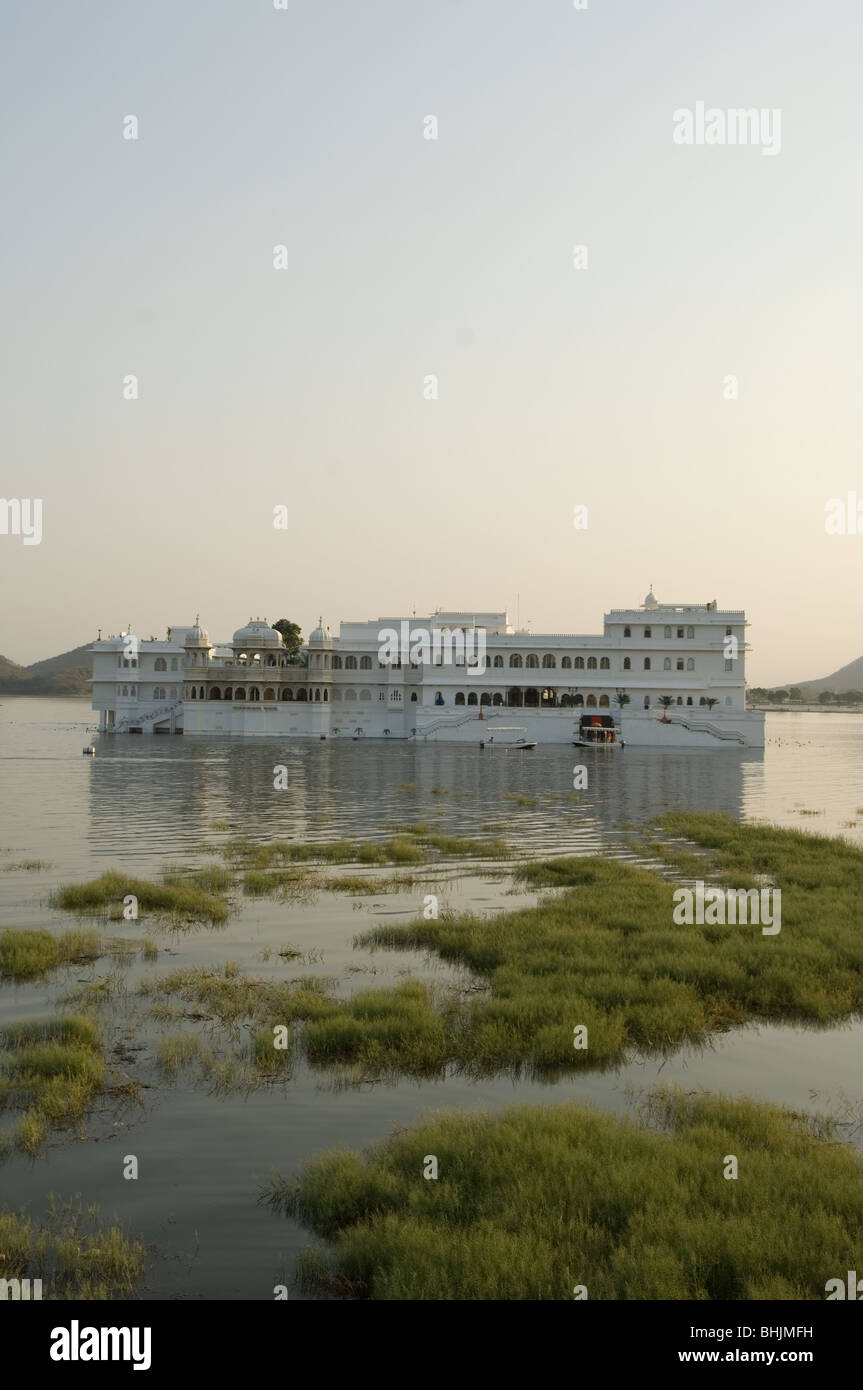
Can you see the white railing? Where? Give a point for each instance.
(131, 720)
(703, 726)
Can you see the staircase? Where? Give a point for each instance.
(138, 720)
(703, 726)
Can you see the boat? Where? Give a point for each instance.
(596, 729)
(523, 744)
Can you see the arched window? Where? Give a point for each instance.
(365, 663)
(690, 664)
(591, 663)
(485, 699)
(680, 699)
(532, 661)
(438, 697)
(515, 659)
(413, 697)
(627, 632)
(603, 702)
(667, 632)
(471, 699)
(497, 698)
(591, 702)
(269, 693)
(702, 701)
(350, 663)
(648, 632)
(690, 632)
(194, 692)
(215, 693)
(337, 663)
(566, 663)
(318, 695)
(287, 693)
(666, 664)
(302, 694)
(531, 697)
(459, 697)
(239, 693)
(680, 663)
(201, 693)
(579, 663)
(498, 661)
(689, 699)
(605, 664)
(578, 700)
(326, 695)
(548, 662)
(627, 664)
(647, 663)
(161, 664)
(395, 697)
(365, 694)
(254, 693)
(647, 702)
(271, 660)
(350, 695)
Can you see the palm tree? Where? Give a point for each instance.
(711, 701)
(666, 701)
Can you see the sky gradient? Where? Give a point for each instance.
(304, 387)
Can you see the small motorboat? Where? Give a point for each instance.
(525, 743)
(89, 751)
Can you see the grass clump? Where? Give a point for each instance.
(607, 953)
(24, 954)
(70, 1251)
(51, 1071)
(181, 900)
(532, 1202)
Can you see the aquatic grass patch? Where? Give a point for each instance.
(51, 1071)
(71, 1251)
(538, 1201)
(606, 954)
(382, 1029)
(30, 952)
(411, 846)
(29, 866)
(179, 901)
(210, 878)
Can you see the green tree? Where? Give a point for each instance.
(711, 701)
(826, 697)
(666, 701)
(291, 635)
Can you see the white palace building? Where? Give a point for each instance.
(663, 674)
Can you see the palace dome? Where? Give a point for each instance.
(319, 635)
(257, 633)
(197, 636)
(650, 601)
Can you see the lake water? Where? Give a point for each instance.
(145, 803)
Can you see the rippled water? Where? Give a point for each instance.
(143, 803)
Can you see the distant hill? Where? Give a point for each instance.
(848, 677)
(67, 674)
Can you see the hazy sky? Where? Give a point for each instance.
(408, 257)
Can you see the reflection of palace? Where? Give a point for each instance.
(670, 675)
